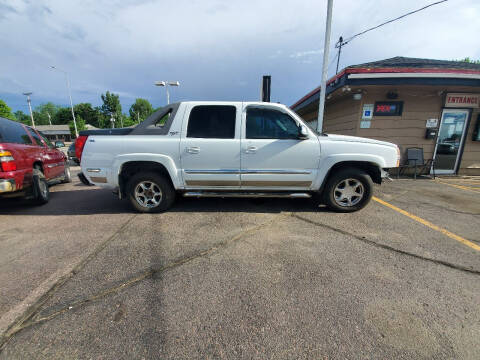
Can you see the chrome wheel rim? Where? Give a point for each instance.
(148, 194)
(348, 192)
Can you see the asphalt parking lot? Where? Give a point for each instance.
(84, 277)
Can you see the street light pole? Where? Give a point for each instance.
(70, 96)
(27, 94)
(326, 48)
(166, 84)
(112, 120)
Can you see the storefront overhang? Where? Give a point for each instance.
(393, 76)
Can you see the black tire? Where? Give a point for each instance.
(67, 176)
(41, 193)
(152, 202)
(358, 190)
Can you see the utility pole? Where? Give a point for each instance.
(70, 95)
(27, 94)
(323, 86)
(339, 45)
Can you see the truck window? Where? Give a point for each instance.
(163, 120)
(13, 132)
(212, 121)
(270, 124)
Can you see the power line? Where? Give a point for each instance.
(342, 42)
(390, 21)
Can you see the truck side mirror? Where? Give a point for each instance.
(302, 132)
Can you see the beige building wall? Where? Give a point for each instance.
(343, 116)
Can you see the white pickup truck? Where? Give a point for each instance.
(232, 149)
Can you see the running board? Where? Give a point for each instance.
(223, 194)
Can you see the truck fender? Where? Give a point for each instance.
(166, 161)
(327, 163)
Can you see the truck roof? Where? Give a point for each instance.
(206, 102)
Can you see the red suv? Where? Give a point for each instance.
(29, 162)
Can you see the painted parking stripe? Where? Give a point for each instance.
(429, 224)
(467, 188)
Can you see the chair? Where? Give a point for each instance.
(416, 160)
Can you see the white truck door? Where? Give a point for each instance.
(272, 154)
(210, 146)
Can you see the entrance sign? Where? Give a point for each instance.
(462, 100)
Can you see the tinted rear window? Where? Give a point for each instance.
(212, 121)
(13, 132)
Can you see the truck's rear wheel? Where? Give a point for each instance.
(348, 190)
(150, 192)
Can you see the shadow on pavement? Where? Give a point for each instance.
(91, 201)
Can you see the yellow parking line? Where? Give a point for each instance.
(467, 188)
(429, 224)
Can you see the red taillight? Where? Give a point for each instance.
(79, 144)
(7, 162)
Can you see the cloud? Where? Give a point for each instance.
(301, 54)
(216, 49)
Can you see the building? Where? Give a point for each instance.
(59, 132)
(431, 104)
(55, 132)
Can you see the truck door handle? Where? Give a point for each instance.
(193, 150)
(251, 150)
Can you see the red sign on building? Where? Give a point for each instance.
(462, 100)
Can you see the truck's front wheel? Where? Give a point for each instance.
(348, 190)
(150, 192)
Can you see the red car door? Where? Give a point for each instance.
(43, 153)
(57, 157)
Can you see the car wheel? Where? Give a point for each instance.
(150, 192)
(67, 176)
(40, 188)
(348, 190)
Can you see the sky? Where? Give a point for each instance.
(217, 50)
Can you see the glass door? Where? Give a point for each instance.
(450, 138)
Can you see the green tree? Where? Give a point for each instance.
(63, 116)
(5, 111)
(471, 61)
(91, 115)
(20, 116)
(44, 111)
(140, 110)
(80, 125)
(111, 107)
